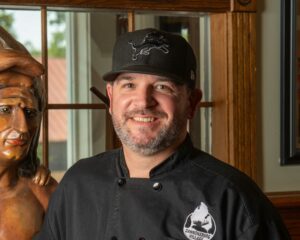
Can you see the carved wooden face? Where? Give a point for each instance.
(19, 117)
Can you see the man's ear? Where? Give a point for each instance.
(109, 90)
(195, 98)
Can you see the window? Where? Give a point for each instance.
(78, 52)
(230, 46)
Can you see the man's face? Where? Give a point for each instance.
(149, 112)
(19, 117)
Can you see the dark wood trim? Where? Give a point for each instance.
(206, 104)
(288, 205)
(285, 199)
(243, 5)
(45, 123)
(163, 5)
(66, 106)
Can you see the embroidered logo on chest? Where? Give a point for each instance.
(200, 225)
(153, 40)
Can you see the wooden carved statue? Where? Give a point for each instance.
(25, 187)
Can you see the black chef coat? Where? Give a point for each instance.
(189, 196)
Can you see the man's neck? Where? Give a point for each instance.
(140, 165)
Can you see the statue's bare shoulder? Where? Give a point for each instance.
(23, 208)
(42, 193)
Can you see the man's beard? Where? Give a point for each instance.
(166, 136)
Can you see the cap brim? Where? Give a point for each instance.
(111, 76)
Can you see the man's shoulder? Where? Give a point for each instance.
(217, 168)
(103, 158)
(225, 176)
(237, 196)
(226, 181)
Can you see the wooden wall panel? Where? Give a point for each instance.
(234, 89)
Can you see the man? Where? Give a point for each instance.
(23, 196)
(158, 186)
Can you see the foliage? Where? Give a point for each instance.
(6, 21)
(57, 45)
(33, 51)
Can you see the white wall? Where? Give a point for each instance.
(274, 176)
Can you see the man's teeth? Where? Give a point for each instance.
(141, 119)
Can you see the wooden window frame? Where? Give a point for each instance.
(234, 78)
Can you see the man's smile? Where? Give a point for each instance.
(144, 119)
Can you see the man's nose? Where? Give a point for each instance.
(145, 97)
(18, 120)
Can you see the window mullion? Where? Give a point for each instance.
(131, 21)
(45, 124)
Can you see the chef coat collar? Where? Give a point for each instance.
(169, 164)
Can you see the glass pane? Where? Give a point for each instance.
(40, 147)
(73, 135)
(80, 49)
(196, 30)
(25, 26)
(205, 130)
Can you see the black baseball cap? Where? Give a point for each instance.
(156, 52)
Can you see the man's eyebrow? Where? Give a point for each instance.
(164, 79)
(125, 77)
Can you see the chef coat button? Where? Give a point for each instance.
(157, 186)
(114, 238)
(121, 181)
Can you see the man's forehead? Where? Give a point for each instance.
(137, 76)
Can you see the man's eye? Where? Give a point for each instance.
(5, 109)
(30, 113)
(128, 85)
(162, 87)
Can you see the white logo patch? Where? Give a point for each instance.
(153, 40)
(200, 225)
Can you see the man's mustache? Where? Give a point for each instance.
(153, 113)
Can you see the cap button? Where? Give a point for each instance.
(157, 186)
(121, 181)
